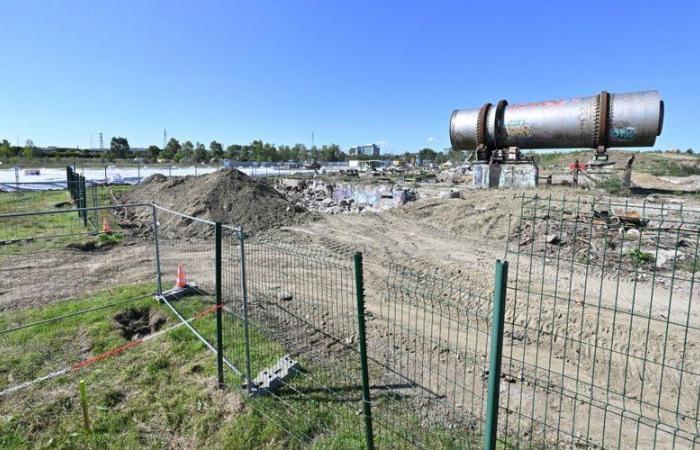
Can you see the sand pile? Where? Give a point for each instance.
(228, 196)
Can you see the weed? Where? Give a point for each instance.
(112, 398)
(675, 169)
(639, 257)
(612, 185)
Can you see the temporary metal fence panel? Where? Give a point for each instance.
(429, 346)
(602, 322)
(92, 277)
(52, 245)
(187, 244)
(283, 301)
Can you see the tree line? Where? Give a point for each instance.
(256, 151)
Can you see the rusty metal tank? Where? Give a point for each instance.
(606, 120)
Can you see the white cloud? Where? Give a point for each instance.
(431, 139)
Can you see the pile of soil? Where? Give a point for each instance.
(228, 196)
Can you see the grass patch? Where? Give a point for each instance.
(669, 168)
(11, 202)
(612, 185)
(640, 258)
(163, 393)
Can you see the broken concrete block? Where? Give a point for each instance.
(274, 377)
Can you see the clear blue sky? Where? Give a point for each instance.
(352, 72)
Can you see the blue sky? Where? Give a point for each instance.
(351, 72)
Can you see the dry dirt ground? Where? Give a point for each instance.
(585, 344)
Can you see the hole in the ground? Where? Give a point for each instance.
(135, 322)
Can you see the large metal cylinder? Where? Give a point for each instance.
(604, 120)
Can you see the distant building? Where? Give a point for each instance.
(365, 150)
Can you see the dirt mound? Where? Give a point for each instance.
(481, 214)
(228, 196)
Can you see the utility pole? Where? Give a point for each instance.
(102, 147)
(313, 145)
(165, 138)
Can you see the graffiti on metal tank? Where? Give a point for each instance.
(517, 128)
(624, 133)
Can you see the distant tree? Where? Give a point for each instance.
(427, 154)
(173, 146)
(440, 158)
(217, 150)
(246, 153)
(233, 152)
(300, 152)
(120, 147)
(153, 152)
(689, 151)
(284, 153)
(171, 149)
(29, 150)
(331, 153)
(5, 150)
(177, 157)
(187, 150)
(200, 153)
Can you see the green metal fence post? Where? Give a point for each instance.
(156, 241)
(83, 198)
(244, 292)
(499, 310)
(367, 406)
(219, 308)
(95, 203)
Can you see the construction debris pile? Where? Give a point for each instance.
(459, 174)
(619, 237)
(228, 196)
(337, 198)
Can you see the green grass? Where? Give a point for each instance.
(55, 230)
(612, 185)
(639, 257)
(11, 202)
(665, 167)
(156, 395)
(104, 197)
(163, 393)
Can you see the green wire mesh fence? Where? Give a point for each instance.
(290, 327)
(429, 341)
(598, 347)
(602, 325)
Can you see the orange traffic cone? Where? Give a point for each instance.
(105, 226)
(181, 278)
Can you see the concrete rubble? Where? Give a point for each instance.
(459, 174)
(336, 198)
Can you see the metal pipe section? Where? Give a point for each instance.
(604, 120)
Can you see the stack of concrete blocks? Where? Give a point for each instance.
(519, 175)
